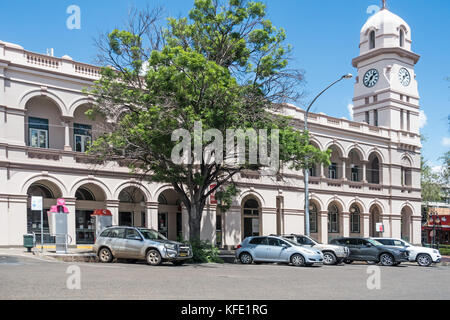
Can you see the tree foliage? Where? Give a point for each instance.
(224, 66)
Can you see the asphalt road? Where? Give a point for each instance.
(32, 278)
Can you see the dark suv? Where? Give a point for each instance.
(366, 249)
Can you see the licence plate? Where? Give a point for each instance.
(183, 254)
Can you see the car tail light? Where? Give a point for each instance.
(238, 246)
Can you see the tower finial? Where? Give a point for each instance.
(384, 4)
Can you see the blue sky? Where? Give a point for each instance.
(324, 34)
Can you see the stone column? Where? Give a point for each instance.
(365, 224)
(66, 123)
(364, 171)
(321, 171)
(386, 219)
(323, 226)
(344, 168)
(151, 215)
(71, 221)
(416, 231)
(345, 226)
(113, 206)
(396, 223)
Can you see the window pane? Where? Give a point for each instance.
(34, 138)
(43, 139)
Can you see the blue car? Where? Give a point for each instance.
(276, 249)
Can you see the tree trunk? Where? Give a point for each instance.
(195, 219)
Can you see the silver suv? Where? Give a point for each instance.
(276, 249)
(139, 244)
(331, 254)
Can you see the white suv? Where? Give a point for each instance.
(423, 256)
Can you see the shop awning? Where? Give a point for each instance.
(102, 212)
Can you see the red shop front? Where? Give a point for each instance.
(440, 225)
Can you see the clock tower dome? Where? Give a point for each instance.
(386, 92)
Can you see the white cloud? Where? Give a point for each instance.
(350, 110)
(446, 141)
(422, 119)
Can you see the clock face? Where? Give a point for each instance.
(371, 78)
(404, 77)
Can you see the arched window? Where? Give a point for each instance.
(402, 38)
(38, 190)
(406, 172)
(333, 219)
(84, 194)
(375, 168)
(372, 40)
(355, 219)
(162, 199)
(312, 217)
(251, 207)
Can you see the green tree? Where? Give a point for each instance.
(224, 66)
(430, 182)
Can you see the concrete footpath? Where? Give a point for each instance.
(86, 255)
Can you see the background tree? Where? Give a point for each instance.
(226, 66)
(430, 183)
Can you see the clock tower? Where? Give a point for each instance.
(386, 92)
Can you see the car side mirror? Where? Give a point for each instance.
(285, 246)
(369, 245)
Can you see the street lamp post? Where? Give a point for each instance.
(306, 170)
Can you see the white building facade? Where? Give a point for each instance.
(374, 176)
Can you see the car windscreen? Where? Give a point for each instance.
(374, 242)
(152, 234)
(290, 242)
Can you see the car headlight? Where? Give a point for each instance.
(435, 251)
(170, 246)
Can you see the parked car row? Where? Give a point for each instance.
(300, 250)
(145, 244)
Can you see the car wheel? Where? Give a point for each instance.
(347, 261)
(245, 258)
(329, 258)
(397, 263)
(298, 260)
(387, 259)
(178, 263)
(105, 255)
(154, 257)
(424, 260)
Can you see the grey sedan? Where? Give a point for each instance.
(139, 244)
(276, 249)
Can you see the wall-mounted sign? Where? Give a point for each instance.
(36, 203)
(379, 227)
